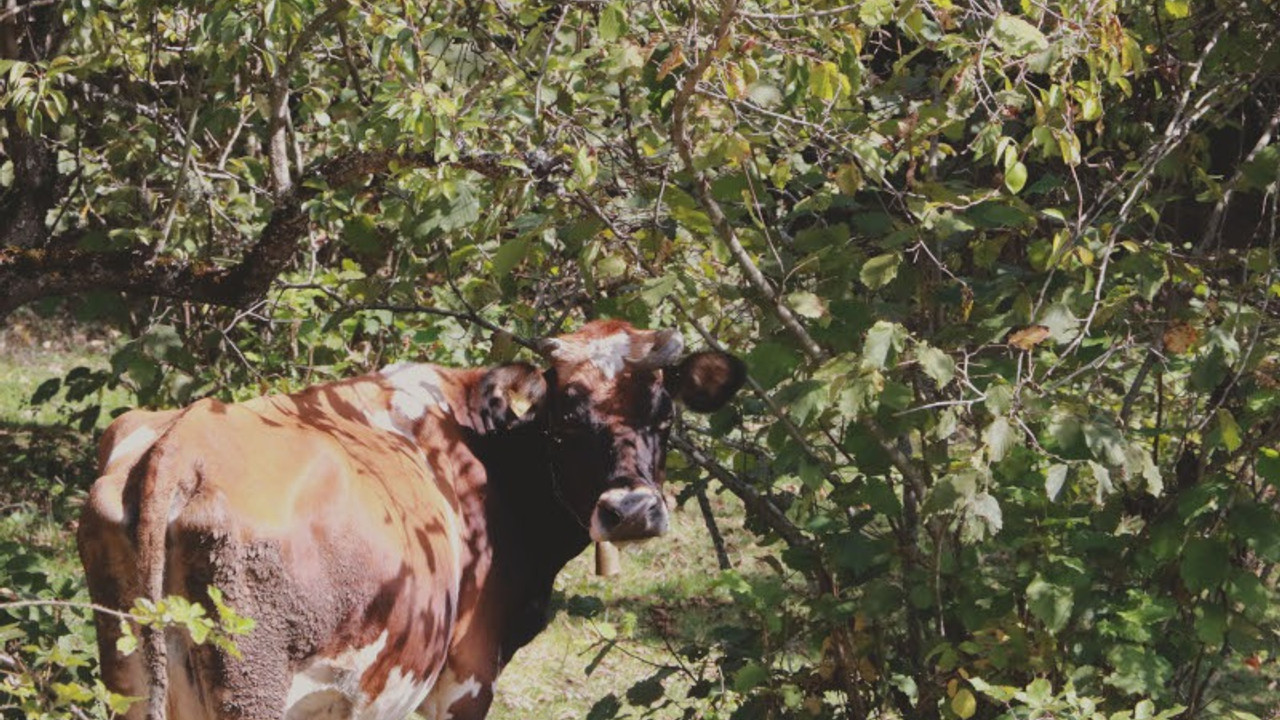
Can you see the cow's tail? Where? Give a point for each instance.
(161, 490)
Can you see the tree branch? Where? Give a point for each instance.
(702, 189)
(57, 267)
(757, 504)
(33, 192)
(278, 124)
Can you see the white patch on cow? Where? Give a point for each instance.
(401, 695)
(337, 676)
(330, 688)
(136, 441)
(418, 388)
(447, 692)
(609, 354)
(454, 533)
(384, 420)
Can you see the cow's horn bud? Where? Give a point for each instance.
(665, 351)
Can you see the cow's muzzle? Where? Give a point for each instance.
(626, 514)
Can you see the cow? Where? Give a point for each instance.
(395, 536)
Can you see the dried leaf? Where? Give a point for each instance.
(1180, 338)
(674, 60)
(1029, 336)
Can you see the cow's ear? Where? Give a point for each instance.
(506, 397)
(705, 381)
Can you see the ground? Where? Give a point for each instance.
(607, 634)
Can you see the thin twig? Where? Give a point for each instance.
(800, 15)
(468, 316)
(708, 517)
(68, 604)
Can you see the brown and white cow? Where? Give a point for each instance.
(395, 536)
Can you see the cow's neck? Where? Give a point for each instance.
(532, 531)
(514, 506)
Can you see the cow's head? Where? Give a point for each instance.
(606, 405)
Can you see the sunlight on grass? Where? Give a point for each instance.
(31, 354)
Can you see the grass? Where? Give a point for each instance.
(664, 598)
(606, 634)
(33, 350)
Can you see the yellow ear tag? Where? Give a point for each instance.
(518, 402)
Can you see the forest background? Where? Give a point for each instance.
(1004, 274)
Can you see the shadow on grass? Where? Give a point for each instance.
(42, 462)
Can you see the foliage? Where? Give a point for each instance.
(1005, 276)
(47, 677)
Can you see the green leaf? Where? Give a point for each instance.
(360, 233)
(824, 80)
(1211, 624)
(127, 643)
(807, 304)
(880, 270)
(1268, 466)
(986, 509)
(882, 339)
(1106, 442)
(771, 362)
(1050, 604)
(999, 398)
(749, 676)
(875, 13)
(1258, 525)
(1102, 477)
(1228, 431)
(613, 22)
(964, 704)
(120, 704)
(71, 693)
(1054, 478)
(936, 364)
(511, 254)
(1177, 9)
(999, 438)
(1139, 670)
(1015, 177)
(999, 693)
(1204, 564)
(1017, 36)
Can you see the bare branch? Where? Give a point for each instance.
(278, 125)
(801, 15)
(58, 268)
(702, 188)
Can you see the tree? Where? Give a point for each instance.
(1005, 278)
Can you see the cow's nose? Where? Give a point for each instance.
(623, 514)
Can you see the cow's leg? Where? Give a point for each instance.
(110, 565)
(463, 692)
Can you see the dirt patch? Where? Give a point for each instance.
(26, 335)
